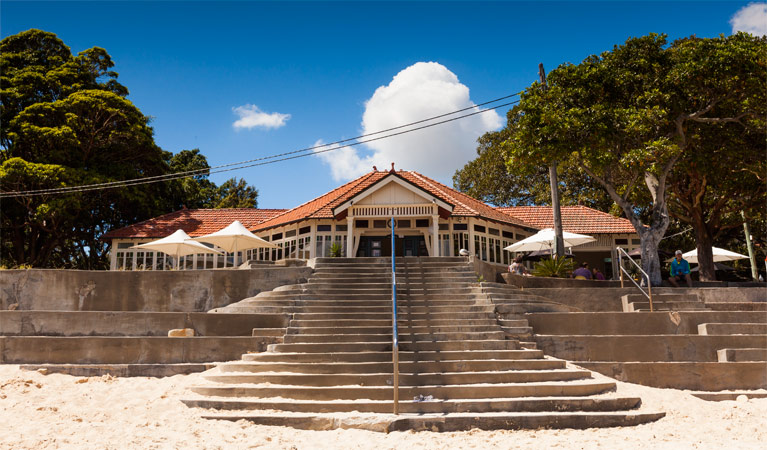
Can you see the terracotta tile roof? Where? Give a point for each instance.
(575, 219)
(322, 206)
(195, 222)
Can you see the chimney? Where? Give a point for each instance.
(392, 168)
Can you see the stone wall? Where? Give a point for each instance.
(177, 291)
(609, 298)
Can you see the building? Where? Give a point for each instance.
(431, 219)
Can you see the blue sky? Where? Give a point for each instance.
(299, 73)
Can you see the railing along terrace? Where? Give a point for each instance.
(623, 271)
(393, 210)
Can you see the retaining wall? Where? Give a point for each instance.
(609, 299)
(185, 291)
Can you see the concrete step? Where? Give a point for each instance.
(377, 303)
(561, 404)
(467, 391)
(127, 350)
(737, 306)
(403, 309)
(403, 328)
(341, 324)
(402, 315)
(404, 337)
(741, 354)
(694, 376)
(158, 370)
(669, 348)
(400, 260)
(724, 396)
(668, 306)
(469, 365)
(513, 354)
(450, 422)
(513, 322)
(385, 296)
(387, 346)
(405, 379)
(732, 328)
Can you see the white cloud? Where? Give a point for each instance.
(751, 19)
(423, 90)
(251, 117)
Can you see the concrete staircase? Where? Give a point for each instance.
(663, 302)
(458, 369)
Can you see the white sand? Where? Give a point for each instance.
(60, 411)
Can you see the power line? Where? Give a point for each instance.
(266, 159)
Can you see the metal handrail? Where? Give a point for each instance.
(395, 336)
(647, 294)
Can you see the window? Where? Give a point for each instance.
(277, 236)
(324, 228)
(380, 224)
(621, 242)
(342, 228)
(303, 247)
(476, 246)
(636, 241)
(492, 253)
(460, 240)
(341, 240)
(304, 230)
(422, 223)
(290, 233)
(505, 253)
(483, 239)
(443, 227)
(361, 223)
(508, 235)
(479, 228)
(403, 224)
(444, 244)
(494, 232)
(460, 227)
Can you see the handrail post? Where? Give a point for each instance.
(620, 266)
(395, 337)
(649, 292)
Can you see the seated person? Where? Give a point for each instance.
(680, 270)
(517, 268)
(582, 271)
(597, 275)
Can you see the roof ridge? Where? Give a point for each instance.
(429, 180)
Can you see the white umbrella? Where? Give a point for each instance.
(544, 240)
(235, 237)
(177, 244)
(720, 255)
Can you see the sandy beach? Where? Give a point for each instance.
(61, 411)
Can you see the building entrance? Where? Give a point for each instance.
(380, 246)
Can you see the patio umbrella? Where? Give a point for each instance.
(177, 244)
(544, 240)
(233, 238)
(720, 255)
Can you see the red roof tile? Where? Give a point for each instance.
(322, 206)
(575, 219)
(195, 222)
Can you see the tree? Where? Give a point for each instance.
(66, 122)
(491, 180)
(624, 118)
(236, 193)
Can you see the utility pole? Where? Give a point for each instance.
(750, 245)
(559, 242)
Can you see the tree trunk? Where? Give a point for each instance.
(704, 242)
(650, 240)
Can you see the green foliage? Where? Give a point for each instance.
(627, 117)
(66, 122)
(554, 267)
(235, 193)
(335, 250)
